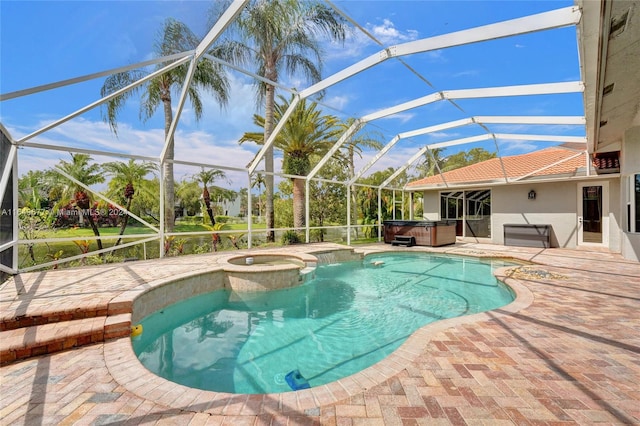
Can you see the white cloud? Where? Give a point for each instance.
(467, 73)
(338, 102)
(357, 42)
(403, 117)
(387, 33)
(512, 147)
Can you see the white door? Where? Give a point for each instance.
(593, 214)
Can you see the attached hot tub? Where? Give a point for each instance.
(262, 272)
(425, 233)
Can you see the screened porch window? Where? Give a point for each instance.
(472, 210)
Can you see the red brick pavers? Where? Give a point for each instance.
(569, 355)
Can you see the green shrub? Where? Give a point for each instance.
(290, 237)
(222, 219)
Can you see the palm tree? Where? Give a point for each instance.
(127, 175)
(31, 191)
(433, 162)
(282, 37)
(89, 174)
(176, 37)
(306, 133)
(354, 146)
(205, 177)
(259, 181)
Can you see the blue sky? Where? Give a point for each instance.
(47, 41)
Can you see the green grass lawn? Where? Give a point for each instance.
(47, 252)
(135, 230)
(180, 244)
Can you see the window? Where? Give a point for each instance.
(6, 205)
(451, 205)
(633, 204)
(471, 207)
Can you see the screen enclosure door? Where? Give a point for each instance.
(593, 213)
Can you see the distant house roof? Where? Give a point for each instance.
(544, 163)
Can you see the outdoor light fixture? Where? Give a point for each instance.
(532, 195)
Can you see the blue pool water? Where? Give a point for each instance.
(349, 317)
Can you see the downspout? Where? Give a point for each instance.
(348, 214)
(379, 213)
(249, 211)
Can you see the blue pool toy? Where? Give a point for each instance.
(296, 381)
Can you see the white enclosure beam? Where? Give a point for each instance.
(75, 80)
(412, 133)
(101, 101)
(525, 119)
(274, 134)
(88, 151)
(551, 120)
(354, 128)
(102, 197)
(437, 128)
(520, 90)
(221, 24)
(530, 89)
(404, 167)
(80, 256)
(176, 117)
(433, 158)
(544, 138)
(7, 270)
(424, 100)
(462, 141)
(15, 221)
(207, 165)
(6, 172)
(543, 21)
(375, 158)
(250, 74)
(345, 73)
(547, 167)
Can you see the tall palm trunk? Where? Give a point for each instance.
(96, 232)
(84, 204)
(298, 203)
(125, 221)
(167, 168)
(268, 159)
(207, 203)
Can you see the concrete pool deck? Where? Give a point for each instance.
(566, 352)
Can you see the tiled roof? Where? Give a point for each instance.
(515, 166)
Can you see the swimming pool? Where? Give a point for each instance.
(347, 318)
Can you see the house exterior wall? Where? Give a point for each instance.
(629, 166)
(431, 205)
(556, 204)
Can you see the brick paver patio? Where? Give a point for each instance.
(566, 352)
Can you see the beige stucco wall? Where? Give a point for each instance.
(556, 204)
(431, 205)
(629, 166)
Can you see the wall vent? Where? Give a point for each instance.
(618, 24)
(606, 162)
(608, 89)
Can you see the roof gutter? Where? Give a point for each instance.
(593, 41)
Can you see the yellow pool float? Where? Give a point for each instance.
(136, 330)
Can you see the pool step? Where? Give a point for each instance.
(406, 240)
(24, 342)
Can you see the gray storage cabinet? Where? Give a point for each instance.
(526, 235)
